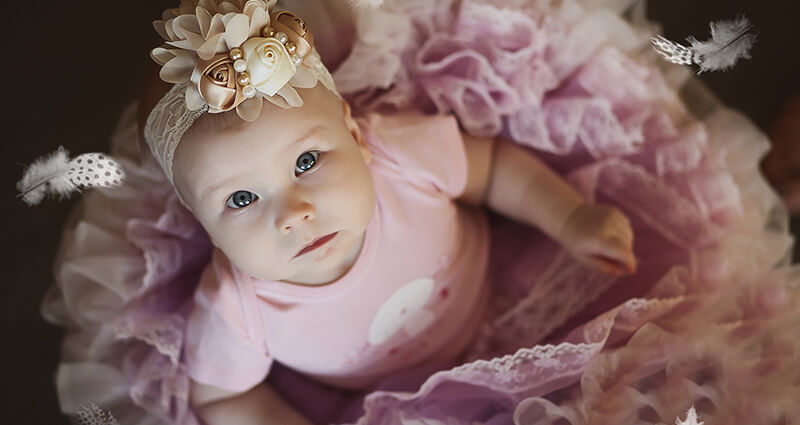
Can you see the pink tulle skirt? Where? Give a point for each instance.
(709, 320)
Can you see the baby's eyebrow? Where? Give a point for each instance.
(310, 133)
(205, 193)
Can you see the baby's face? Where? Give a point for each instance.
(266, 190)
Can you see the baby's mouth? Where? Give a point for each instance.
(316, 243)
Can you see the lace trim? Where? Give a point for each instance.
(167, 123)
(516, 368)
(564, 288)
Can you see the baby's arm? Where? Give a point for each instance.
(261, 405)
(513, 182)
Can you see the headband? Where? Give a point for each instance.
(232, 54)
(224, 55)
(220, 55)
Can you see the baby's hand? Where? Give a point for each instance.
(600, 237)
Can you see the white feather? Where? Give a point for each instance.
(91, 414)
(47, 175)
(672, 51)
(58, 176)
(730, 41)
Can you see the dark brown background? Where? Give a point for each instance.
(71, 66)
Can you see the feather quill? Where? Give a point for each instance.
(730, 41)
(58, 176)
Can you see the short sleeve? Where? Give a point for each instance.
(427, 150)
(225, 344)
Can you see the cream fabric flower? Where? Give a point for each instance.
(203, 56)
(199, 32)
(268, 64)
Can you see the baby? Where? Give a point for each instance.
(347, 249)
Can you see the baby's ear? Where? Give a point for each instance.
(355, 131)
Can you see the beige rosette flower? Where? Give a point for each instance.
(235, 55)
(268, 64)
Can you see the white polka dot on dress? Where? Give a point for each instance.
(405, 309)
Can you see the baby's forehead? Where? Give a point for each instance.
(275, 131)
(264, 140)
(220, 124)
(319, 104)
(229, 157)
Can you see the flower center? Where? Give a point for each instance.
(220, 74)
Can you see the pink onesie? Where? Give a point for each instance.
(416, 293)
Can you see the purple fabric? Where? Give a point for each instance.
(560, 343)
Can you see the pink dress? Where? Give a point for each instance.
(402, 303)
(709, 320)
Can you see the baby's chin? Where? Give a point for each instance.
(327, 263)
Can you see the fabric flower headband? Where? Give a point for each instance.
(221, 55)
(235, 53)
(224, 55)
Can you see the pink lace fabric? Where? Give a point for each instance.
(581, 87)
(710, 319)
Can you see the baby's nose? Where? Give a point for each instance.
(294, 216)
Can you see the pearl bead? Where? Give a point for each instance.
(249, 91)
(240, 65)
(282, 37)
(244, 79)
(297, 59)
(267, 32)
(291, 47)
(235, 54)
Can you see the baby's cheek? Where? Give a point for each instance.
(357, 200)
(259, 263)
(252, 251)
(337, 175)
(368, 194)
(363, 187)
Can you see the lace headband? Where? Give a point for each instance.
(233, 54)
(224, 55)
(221, 55)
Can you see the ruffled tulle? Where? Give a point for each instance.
(710, 318)
(580, 87)
(128, 264)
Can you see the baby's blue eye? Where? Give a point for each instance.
(305, 162)
(241, 199)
